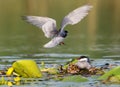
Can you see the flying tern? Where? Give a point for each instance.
(48, 25)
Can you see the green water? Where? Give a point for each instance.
(97, 35)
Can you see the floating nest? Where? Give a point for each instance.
(75, 70)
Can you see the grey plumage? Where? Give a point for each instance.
(48, 25)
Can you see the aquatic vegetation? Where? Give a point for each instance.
(50, 70)
(27, 68)
(112, 76)
(70, 72)
(9, 71)
(3, 81)
(20, 68)
(75, 78)
(72, 68)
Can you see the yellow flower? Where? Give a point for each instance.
(16, 79)
(10, 71)
(10, 84)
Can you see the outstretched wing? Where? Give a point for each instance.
(75, 16)
(48, 25)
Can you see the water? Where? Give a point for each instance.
(58, 59)
(97, 36)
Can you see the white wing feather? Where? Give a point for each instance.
(48, 25)
(54, 42)
(75, 16)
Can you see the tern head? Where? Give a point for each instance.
(64, 33)
(83, 62)
(84, 59)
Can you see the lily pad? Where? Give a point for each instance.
(114, 79)
(75, 78)
(113, 72)
(27, 68)
(49, 70)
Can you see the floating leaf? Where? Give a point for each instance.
(114, 79)
(115, 71)
(27, 68)
(50, 70)
(75, 78)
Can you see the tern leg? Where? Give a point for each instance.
(61, 43)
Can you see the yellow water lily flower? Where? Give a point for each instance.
(16, 79)
(10, 71)
(10, 84)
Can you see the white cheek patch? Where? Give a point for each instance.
(83, 60)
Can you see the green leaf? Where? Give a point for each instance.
(71, 62)
(75, 78)
(115, 79)
(27, 68)
(115, 71)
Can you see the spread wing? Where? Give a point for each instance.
(48, 25)
(75, 16)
